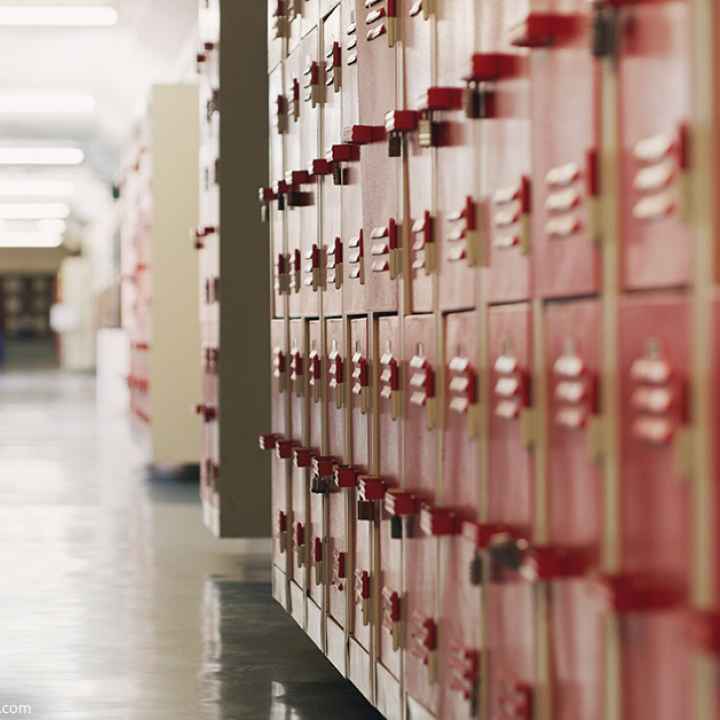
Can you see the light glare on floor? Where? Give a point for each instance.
(36, 188)
(30, 240)
(57, 16)
(21, 103)
(34, 211)
(41, 156)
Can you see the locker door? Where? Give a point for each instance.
(279, 431)
(349, 174)
(654, 508)
(654, 66)
(509, 608)
(316, 379)
(460, 612)
(501, 69)
(416, 508)
(303, 199)
(332, 241)
(458, 215)
(299, 391)
(574, 481)
(372, 490)
(337, 561)
(361, 567)
(270, 208)
(278, 31)
(563, 90)
(295, 110)
(382, 234)
(418, 31)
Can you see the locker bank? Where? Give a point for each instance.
(384, 362)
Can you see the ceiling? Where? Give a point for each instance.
(116, 65)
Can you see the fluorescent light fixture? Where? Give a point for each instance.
(30, 239)
(36, 188)
(51, 226)
(55, 103)
(34, 211)
(41, 156)
(57, 15)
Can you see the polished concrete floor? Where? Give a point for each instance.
(115, 602)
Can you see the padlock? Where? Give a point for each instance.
(282, 531)
(477, 570)
(426, 132)
(365, 510)
(319, 562)
(396, 528)
(395, 142)
(300, 544)
(365, 597)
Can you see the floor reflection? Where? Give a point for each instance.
(116, 603)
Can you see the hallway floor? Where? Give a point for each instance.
(115, 602)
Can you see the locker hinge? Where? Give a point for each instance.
(683, 452)
(596, 438)
(528, 427)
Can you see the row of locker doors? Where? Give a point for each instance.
(415, 187)
(390, 535)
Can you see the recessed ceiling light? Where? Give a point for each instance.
(41, 156)
(58, 15)
(36, 188)
(24, 239)
(34, 211)
(22, 103)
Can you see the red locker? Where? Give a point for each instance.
(349, 173)
(372, 490)
(302, 18)
(509, 610)
(270, 207)
(360, 417)
(564, 141)
(332, 271)
(501, 71)
(415, 513)
(419, 220)
(278, 31)
(651, 588)
(290, 116)
(306, 91)
(299, 389)
(460, 215)
(279, 431)
(336, 562)
(377, 28)
(654, 66)
(316, 523)
(460, 609)
(575, 500)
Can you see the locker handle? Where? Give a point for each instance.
(284, 449)
(364, 134)
(438, 522)
(345, 476)
(550, 562)
(371, 488)
(268, 441)
(545, 29)
(486, 67)
(400, 503)
(442, 98)
(639, 592)
(302, 457)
